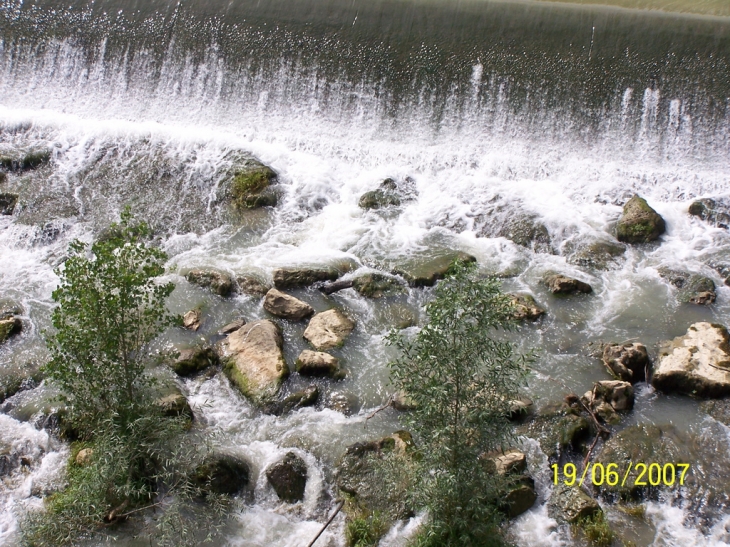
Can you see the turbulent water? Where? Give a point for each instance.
(556, 113)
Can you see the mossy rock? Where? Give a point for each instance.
(375, 285)
(559, 429)
(219, 282)
(378, 199)
(29, 160)
(711, 211)
(193, 360)
(8, 203)
(639, 222)
(598, 254)
(223, 474)
(299, 399)
(9, 327)
(424, 271)
(571, 504)
(288, 478)
(251, 188)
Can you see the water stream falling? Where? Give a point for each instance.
(491, 109)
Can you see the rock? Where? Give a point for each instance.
(9, 326)
(526, 307)
(342, 402)
(599, 254)
(723, 268)
(335, 286)
(390, 194)
(403, 402)
(570, 504)
(286, 306)
(642, 443)
(425, 271)
(357, 475)
(523, 228)
(219, 282)
(712, 211)
(618, 394)
(300, 399)
(8, 203)
(697, 363)
(3, 177)
(83, 458)
(558, 428)
(288, 278)
(375, 285)
(175, 404)
(719, 409)
(250, 285)
(329, 329)
(193, 360)
(511, 461)
(639, 222)
(254, 359)
(520, 408)
(250, 187)
(191, 320)
(25, 161)
(233, 326)
(628, 362)
(317, 363)
(289, 478)
(560, 284)
(520, 498)
(223, 474)
(693, 288)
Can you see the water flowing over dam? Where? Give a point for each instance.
(515, 131)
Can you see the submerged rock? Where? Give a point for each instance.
(8, 203)
(390, 193)
(697, 363)
(523, 228)
(628, 362)
(559, 429)
(711, 211)
(600, 254)
(250, 186)
(300, 399)
(639, 223)
(288, 478)
(375, 285)
(718, 409)
(561, 284)
(693, 288)
(233, 326)
(247, 284)
(609, 397)
(25, 161)
(425, 271)
(328, 330)
(526, 308)
(175, 404)
(193, 360)
(286, 306)
(288, 278)
(219, 282)
(571, 504)
(223, 474)
(343, 402)
(255, 360)
(317, 363)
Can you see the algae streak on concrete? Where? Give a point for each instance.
(717, 8)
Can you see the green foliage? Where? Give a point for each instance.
(597, 530)
(109, 308)
(461, 376)
(248, 186)
(366, 531)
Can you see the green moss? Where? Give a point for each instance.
(239, 379)
(596, 530)
(248, 188)
(366, 530)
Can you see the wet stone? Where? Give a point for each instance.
(526, 308)
(8, 203)
(639, 223)
(194, 360)
(286, 306)
(192, 320)
(289, 478)
(223, 474)
(288, 278)
(219, 282)
(317, 363)
(628, 362)
(300, 399)
(251, 285)
(561, 284)
(329, 329)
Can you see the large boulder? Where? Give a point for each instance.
(571, 504)
(288, 278)
(693, 288)
(222, 474)
(697, 363)
(561, 284)
(559, 429)
(639, 223)
(175, 404)
(628, 361)
(250, 186)
(317, 363)
(8, 203)
(251, 285)
(521, 226)
(424, 271)
(193, 360)
(375, 285)
(219, 282)
(526, 308)
(255, 360)
(288, 478)
(286, 306)
(712, 211)
(328, 330)
(520, 497)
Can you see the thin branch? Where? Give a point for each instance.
(342, 503)
(390, 402)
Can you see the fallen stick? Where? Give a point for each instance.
(327, 523)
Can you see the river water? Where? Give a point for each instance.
(556, 112)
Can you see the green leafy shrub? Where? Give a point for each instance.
(597, 530)
(461, 376)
